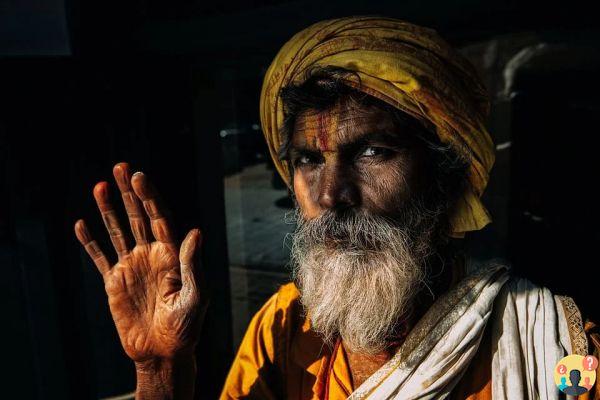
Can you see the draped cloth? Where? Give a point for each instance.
(407, 66)
(491, 336)
(529, 331)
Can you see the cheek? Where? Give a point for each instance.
(302, 190)
(388, 185)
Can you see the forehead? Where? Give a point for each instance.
(344, 121)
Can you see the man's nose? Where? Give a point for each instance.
(338, 189)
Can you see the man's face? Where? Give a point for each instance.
(355, 157)
(363, 234)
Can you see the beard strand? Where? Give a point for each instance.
(358, 273)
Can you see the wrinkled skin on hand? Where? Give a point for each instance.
(155, 290)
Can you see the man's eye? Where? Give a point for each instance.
(372, 151)
(305, 159)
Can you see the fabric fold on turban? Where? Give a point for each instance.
(409, 67)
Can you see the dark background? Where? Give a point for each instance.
(86, 84)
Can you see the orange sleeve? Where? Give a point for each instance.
(253, 373)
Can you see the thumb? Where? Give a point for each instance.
(189, 247)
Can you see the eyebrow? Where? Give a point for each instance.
(393, 140)
(378, 137)
(297, 151)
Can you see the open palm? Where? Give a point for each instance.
(154, 289)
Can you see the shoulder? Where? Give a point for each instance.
(276, 320)
(270, 324)
(257, 368)
(530, 304)
(287, 295)
(282, 306)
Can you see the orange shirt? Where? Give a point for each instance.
(280, 357)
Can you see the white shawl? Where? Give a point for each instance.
(529, 338)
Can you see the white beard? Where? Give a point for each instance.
(358, 276)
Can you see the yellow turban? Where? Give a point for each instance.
(407, 66)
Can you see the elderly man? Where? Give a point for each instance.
(377, 126)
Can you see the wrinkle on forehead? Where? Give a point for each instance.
(324, 129)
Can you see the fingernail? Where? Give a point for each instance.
(138, 173)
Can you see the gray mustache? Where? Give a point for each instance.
(360, 230)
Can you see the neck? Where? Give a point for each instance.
(446, 272)
(362, 366)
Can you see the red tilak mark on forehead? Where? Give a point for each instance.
(322, 134)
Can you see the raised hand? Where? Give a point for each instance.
(155, 288)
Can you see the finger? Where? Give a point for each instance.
(158, 221)
(111, 221)
(91, 247)
(133, 206)
(190, 272)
